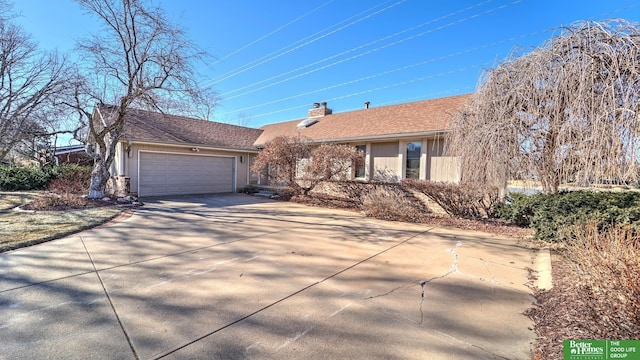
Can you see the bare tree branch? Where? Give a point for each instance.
(296, 163)
(139, 60)
(30, 81)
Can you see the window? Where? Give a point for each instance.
(360, 171)
(413, 160)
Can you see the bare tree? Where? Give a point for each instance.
(301, 166)
(140, 59)
(280, 158)
(243, 119)
(565, 112)
(331, 162)
(30, 82)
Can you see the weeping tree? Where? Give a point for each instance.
(140, 59)
(566, 112)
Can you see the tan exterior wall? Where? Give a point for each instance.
(435, 148)
(127, 164)
(441, 168)
(384, 161)
(445, 169)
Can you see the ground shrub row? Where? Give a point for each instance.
(551, 215)
(467, 201)
(548, 215)
(405, 201)
(58, 179)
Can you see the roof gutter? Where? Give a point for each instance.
(385, 137)
(397, 136)
(189, 145)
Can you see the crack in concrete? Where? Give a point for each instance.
(192, 273)
(391, 291)
(422, 283)
(295, 338)
(291, 295)
(493, 279)
(454, 269)
(308, 328)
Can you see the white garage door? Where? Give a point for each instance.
(176, 174)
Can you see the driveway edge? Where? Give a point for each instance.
(542, 267)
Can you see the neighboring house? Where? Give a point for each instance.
(72, 154)
(28, 152)
(399, 141)
(161, 154)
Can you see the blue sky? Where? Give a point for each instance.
(271, 60)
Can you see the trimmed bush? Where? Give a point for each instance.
(54, 202)
(59, 179)
(71, 179)
(518, 209)
(391, 203)
(549, 214)
(465, 200)
(25, 178)
(355, 191)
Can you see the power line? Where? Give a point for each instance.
(301, 40)
(358, 47)
(378, 48)
(444, 73)
(607, 13)
(273, 32)
(369, 77)
(259, 62)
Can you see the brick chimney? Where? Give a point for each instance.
(319, 110)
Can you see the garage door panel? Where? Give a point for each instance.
(174, 174)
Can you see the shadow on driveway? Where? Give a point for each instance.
(234, 276)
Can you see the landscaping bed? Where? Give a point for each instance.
(33, 217)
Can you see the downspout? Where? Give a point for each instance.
(248, 170)
(123, 158)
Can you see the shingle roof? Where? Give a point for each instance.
(420, 117)
(150, 126)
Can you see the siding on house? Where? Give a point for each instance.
(384, 164)
(435, 148)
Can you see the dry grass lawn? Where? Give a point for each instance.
(9, 200)
(21, 228)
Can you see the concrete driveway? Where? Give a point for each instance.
(234, 276)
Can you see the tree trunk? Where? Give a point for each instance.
(99, 177)
(550, 183)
